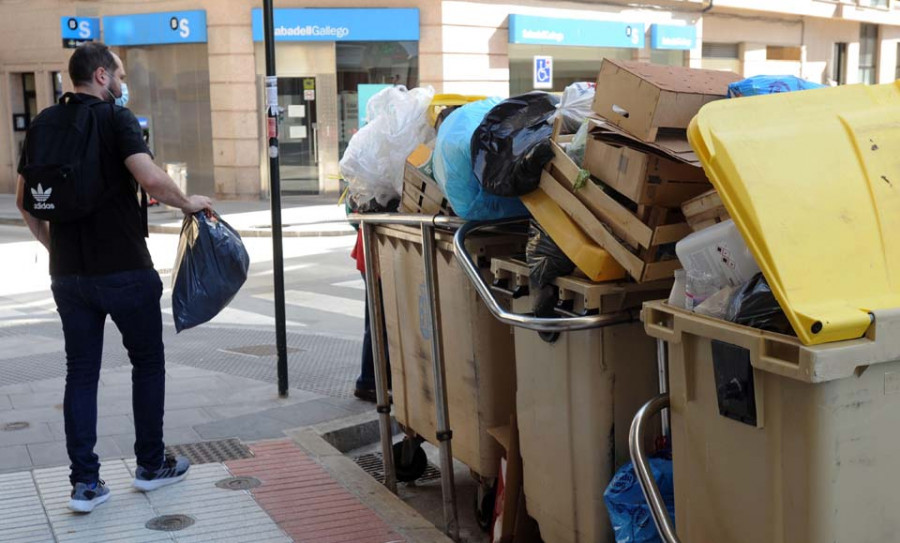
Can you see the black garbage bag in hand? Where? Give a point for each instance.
(210, 269)
(754, 305)
(512, 144)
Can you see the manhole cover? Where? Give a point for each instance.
(13, 426)
(207, 452)
(259, 351)
(239, 483)
(170, 523)
(374, 466)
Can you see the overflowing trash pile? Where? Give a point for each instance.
(605, 171)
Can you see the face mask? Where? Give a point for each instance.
(122, 101)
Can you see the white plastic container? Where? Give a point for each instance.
(720, 252)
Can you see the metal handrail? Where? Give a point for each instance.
(538, 324)
(642, 468)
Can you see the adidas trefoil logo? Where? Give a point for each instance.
(40, 198)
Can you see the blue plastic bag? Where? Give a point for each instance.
(629, 513)
(769, 84)
(453, 167)
(210, 269)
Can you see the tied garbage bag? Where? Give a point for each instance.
(376, 155)
(575, 105)
(754, 305)
(546, 262)
(210, 269)
(769, 84)
(512, 144)
(629, 513)
(453, 167)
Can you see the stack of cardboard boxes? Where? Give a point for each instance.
(638, 170)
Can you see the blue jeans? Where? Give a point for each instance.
(366, 380)
(131, 299)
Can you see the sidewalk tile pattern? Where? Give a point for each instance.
(306, 501)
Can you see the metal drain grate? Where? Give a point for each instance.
(374, 466)
(207, 452)
(239, 483)
(170, 523)
(259, 351)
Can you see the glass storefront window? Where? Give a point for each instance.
(370, 63)
(56, 82)
(667, 57)
(570, 64)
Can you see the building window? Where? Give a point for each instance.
(571, 64)
(722, 56)
(370, 63)
(56, 83)
(777, 52)
(883, 4)
(897, 69)
(839, 64)
(28, 92)
(868, 44)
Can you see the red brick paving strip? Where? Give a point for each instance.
(305, 500)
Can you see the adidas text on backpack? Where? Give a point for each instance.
(62, 172)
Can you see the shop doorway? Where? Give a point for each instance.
(298, 130)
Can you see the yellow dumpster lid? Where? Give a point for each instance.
(812, 180)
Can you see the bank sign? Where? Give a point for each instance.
(78, 30)
(320, 24)
(673, 37)
(155, 28)
(531, 30)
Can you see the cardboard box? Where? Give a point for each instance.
(643, 98)
(704, 211)
(644, 178)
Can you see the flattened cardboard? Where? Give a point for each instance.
(643, 178)
(643, 98)
(670, 144)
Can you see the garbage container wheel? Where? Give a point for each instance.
(485, 497)
(415, 467)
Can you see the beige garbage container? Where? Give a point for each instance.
(575, 401)
(478, 350)
(774, 441)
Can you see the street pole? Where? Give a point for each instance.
(275, 190)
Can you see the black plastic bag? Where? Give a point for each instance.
(210, 269)
(512, 144)
(754, 305)
(546, 262)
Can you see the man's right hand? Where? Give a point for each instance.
(196, 203)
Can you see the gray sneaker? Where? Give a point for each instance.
(173, 470)
(85, 497)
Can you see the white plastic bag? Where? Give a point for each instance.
(575, 106)
(374, 160)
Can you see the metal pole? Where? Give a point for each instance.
(442, 413)
(663, 369)
(275, 189)
(376, 329)
(642, 468)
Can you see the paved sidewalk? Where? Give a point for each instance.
(299, 498)
(301, 216)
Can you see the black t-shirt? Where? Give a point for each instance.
(112, 239)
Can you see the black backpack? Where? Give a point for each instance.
(63, 178)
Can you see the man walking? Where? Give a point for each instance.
(100, 265)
